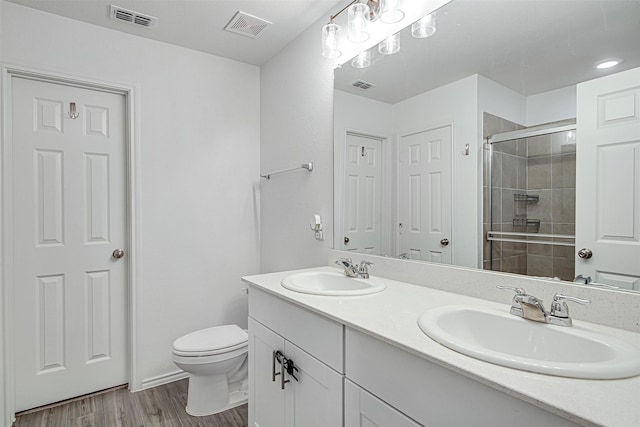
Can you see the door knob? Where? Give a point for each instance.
(585, 253)
(444, 242)
(346, 240)
(118, 253)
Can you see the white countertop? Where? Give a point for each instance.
(392, 314)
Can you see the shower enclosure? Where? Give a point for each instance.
(529, 199)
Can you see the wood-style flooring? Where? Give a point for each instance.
(161, 406)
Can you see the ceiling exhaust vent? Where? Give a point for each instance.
(136, 18)
(361, 84)
(246, 25)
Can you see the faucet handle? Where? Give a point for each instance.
(518, 291)
(559, 306)
(363, 269)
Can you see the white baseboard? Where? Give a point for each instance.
(162, 379)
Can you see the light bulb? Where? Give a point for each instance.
(362, 61)
(425, 27)
(607, 63)
(390, 46)
(357, 21)
(390, 11)
(330, 41)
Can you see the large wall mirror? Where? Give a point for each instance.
(496, 139)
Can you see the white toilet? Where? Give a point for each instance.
(216, 359)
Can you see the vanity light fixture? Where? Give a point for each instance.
(390, 45)
(425, 27)
(607, 63)
(330, 41)
(390, 12)
(363, 60)
(360, 14)
(357, 18)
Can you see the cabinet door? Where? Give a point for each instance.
(362, 409)
(266, 398)
(315, 400)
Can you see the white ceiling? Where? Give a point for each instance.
(529, 46)
(199, 24)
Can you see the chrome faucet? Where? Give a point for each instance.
(582, 279)
(559, 314)
(351, 270)
(531, 308)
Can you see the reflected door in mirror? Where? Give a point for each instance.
(424, 210)
(362, 194)
(608, 194)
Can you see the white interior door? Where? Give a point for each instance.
(362, 203)
(69, 215)
(608, 179)
(424, 195)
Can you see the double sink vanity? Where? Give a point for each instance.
(330, 350)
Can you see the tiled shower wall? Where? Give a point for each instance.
(551, 174)
(542, 166)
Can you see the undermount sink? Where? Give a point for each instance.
(501, 338)
(331, 283)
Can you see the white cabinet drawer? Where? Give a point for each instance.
(362, 409)
(433, 395)
(315, 334)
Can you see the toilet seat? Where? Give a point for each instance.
(211, 341)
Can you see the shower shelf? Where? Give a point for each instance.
(523, 197)
(527, 223)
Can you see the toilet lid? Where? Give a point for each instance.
(211, 339)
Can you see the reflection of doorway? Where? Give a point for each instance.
(424, 195)
(69, 213)
(608, 177)
(362, 199)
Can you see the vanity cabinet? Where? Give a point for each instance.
(362, 409)
(352, 379)
(432, 395)
(315, 398)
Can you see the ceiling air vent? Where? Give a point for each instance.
(246, 25)
(136, 18)
(361, 84)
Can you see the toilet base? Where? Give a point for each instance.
(209, 395)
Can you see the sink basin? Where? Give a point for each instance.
(331, 283)
(501, 338)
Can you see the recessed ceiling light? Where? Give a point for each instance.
(607, 63)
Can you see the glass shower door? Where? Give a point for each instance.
(530, 192)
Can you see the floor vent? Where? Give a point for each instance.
(135, 18)
(361, 84)
(246, 25)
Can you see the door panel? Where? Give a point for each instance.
(608, 179)
(316, 399)
(424, 208)
(266, 400)
(69, 213)
(362, 195)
